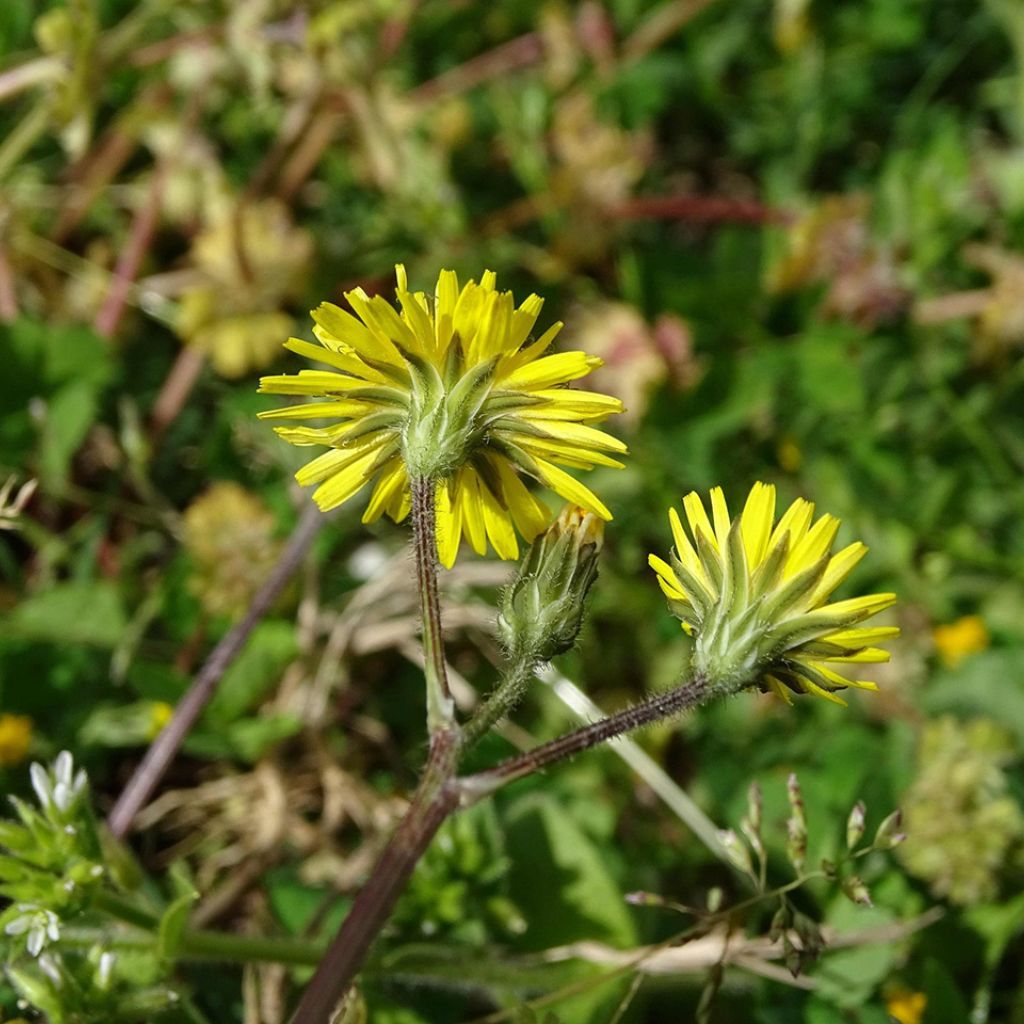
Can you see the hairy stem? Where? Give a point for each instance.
(440, 706)
(653, 709)
(435, 799)
(507, 694)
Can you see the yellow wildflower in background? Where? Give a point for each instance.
(452, 389)
(160, 713)
(15, 738)
(754, 594)
(906, 1007)
(229, 534)
(959, 639)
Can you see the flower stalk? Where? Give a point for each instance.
(440, 706)
(654, 709)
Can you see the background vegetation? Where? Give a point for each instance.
(795, 232)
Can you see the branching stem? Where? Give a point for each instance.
(662, 705)
(434, 801)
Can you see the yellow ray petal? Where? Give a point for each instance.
(864, 636)
(448, 525)
(684, 549)
(584, 437)
(779, 689)
(337, 323)
(571, 404)
(812, 546)
(867, 656)
(392, 480)
(870, 604)
(523, 320)
(839, 567)
(529, 514)
(698, 518)
(795, 520)
(757, 518)
(550, 370)
(341, 409)
(571, 489)
(498, 524)
(720, 512)
(350, 364)
(669, 581)
(345, 482)
(467, 492)
(309, 382)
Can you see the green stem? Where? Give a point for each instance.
(507, 694)
(440, 706)
(213, 945)
(124, 910)
(24, 135)
(241, 949)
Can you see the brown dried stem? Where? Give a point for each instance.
(165, 747)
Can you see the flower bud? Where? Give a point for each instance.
(736, 850)
(542, 610)
(855, 825)
(856, 891)
(796, 825)
(890, 832)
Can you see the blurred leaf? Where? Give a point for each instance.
(253, 673)
(848, 977)
(998, 924)
(172, 925)
(990, 683)
(946, 1005)
(78, 613)
(559, 878)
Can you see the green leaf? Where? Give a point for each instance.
(946, 1004)
(53, 375)
(999, 924)
(253, 674)
(172, 925)
(848, 977)
(560, 880)
(69, 415)
(988, 684)
(827, 354)
(73, 612)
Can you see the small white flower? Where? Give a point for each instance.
(41, 784)
(104, 970)
(48, 965)
(58, 789)
(40, 926)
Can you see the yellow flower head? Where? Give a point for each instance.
(452, 389)
(906, 1007)
(960, 639)
(754, 594)
(15, 738)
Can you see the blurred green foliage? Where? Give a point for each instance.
(795, 232)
